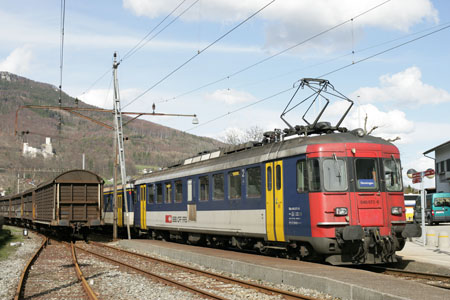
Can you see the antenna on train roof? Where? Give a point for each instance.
(322, 90)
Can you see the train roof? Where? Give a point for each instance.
(75, 176)
(252, 153)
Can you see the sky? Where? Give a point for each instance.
(391, 58)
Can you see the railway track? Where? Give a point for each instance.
(46, 275)
(436, 280)
(202, 283)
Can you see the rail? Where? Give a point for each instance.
(20, 286)
(417, 275)
(90, 293)
(245, 284)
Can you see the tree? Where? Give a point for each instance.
(235, 136)
(374, 128)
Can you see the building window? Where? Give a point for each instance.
(234, 185)
(159, 193)
(442, 167)
(168, 198)
(178, 191)
(448, 165)
(204, 188)
(218, 187)
(253, 179)
(334, 175)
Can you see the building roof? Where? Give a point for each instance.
(433, 149)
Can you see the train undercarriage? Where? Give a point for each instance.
(352, 244)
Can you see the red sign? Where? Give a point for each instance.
(168, 218)
(416, 179)
(417, 175)
(429, 172)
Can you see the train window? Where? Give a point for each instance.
(218, 187)
(189, 190)
(151, 194)
(178, 191)
(204, 188)
(253, 183)
(366, 174)
(168, 195)
(278, 177)
(313, 175)
(143, 193)
(334, 175)
(392, 175)
(133, 195)
(302, 176)
(159, 193)
(269, 179)
(234, 185)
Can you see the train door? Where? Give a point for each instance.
(119, 209)
(143, 206)
(274, 201)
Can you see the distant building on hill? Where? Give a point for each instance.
(46, 149)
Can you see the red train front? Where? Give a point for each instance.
(357, 212)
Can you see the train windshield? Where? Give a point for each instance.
(335, 175)
(366, 174)
(392, 175)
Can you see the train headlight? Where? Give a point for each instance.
(396, 210)
(340, 211)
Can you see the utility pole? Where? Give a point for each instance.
(119, 136)
(115, 191)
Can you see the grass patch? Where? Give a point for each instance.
(9, 235)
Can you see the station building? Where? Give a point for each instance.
(442, 168)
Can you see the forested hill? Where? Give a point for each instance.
(149, 145)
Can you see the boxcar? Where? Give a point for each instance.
(72, 200)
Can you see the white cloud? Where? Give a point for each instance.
(98, 97)
(390, 124)
(405, 87)
(104, 98)
(290, 21)
(230, 96)
(18, 62)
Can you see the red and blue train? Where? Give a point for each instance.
(327, 195)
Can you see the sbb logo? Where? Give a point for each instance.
(168, 218)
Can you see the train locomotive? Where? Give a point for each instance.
(69, 203)
(327, 194)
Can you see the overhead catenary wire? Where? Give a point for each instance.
(138, 46)
(351, 53)
(200, 52)
(276, 54)
(323, 75)
(141, 43)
